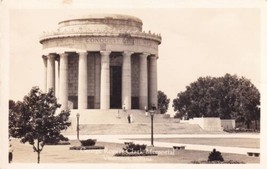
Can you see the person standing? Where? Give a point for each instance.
(10, 153)
(129, 119)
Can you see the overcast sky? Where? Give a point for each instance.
(196, 42)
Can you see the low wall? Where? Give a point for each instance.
(228, 124)
(207, 123)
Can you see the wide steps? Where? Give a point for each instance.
(114, 116)
(145, 128)
(115, 122)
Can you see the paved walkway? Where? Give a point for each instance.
(124, 138)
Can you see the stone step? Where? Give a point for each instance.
(145, 128)
(114, 116)
(115, 122)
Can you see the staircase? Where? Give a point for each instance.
(116, 116)
(99, 122)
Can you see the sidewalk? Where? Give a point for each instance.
(126, 138)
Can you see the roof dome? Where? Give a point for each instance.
(102, 23)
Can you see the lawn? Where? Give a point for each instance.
(23, 153)
(227, 142)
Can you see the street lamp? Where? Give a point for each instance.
(152, 112)
(78, 129)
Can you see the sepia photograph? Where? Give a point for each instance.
(132, 85)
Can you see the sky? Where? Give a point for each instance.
(196, 42)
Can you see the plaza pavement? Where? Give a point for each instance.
(127, 138)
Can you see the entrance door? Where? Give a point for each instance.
(115, 87)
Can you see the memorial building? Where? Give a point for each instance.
(101, 62)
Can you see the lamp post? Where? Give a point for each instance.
(78, 129)
(152, 112)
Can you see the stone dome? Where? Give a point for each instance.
(102, 23)
(90, 32)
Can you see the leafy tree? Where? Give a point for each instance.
(163, 102)
(34, 120)
(225, 97)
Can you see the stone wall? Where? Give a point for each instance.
(228, 124)
(208, 123)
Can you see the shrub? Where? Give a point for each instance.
(87, 148)
(215, 156)
(131, 147)
(88, 142)
(218, 162)
(134, 154)
(65, 141)
(132, 150)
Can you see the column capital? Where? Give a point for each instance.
(153, 57)
(104, 53)
(83, 53)
(127, 53)
(144, 54)
(63, 54)
(52, 56)
(44, 57)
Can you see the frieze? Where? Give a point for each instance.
(128, 41)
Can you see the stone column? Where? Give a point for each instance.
(63, 82)
(143, 82)
(105, 81)
(51, 72)
(45, 73)
(82, 81)
(126, 80)
(153, 81)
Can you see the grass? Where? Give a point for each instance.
(23, 153)
(227, 142)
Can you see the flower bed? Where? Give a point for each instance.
(218, 162)
(87, 147)
(132, 149)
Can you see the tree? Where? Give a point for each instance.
(34, 120)
(163, 102)
(225, 97)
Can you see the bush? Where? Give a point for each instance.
(64, 141)
(241, 130)
(215, 156)
(134, 154)
(218, 162)
(87, 148)
(88, 142)
(131, 147)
